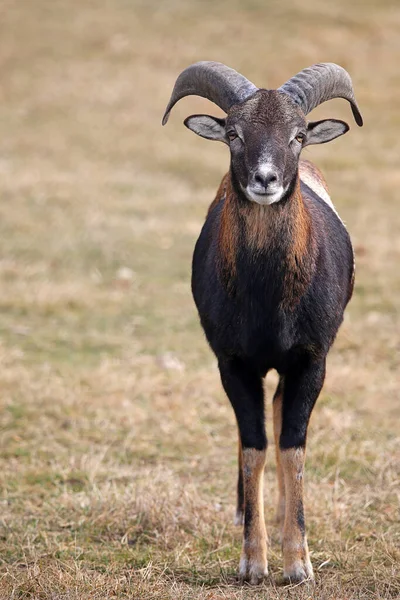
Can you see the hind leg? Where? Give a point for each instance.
(239, 517)
(277, 417)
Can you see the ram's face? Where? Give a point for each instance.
(265, 136)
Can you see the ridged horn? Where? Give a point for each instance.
(212, 80)
(319, 83)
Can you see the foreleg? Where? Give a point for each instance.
(243, 386)
(301, 390)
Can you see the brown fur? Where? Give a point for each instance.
(267, 227)
(300, 254)
(271, 226)
(294, 542)
(253, 562)
(229, 232)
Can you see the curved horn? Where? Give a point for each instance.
(319, 83)
(212, 80)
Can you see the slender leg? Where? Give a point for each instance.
(243, 386)
(302, 387)
(239, 517)
(253, 562)
(296, 558)
(277, 411)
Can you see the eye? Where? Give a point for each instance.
(300, 137)
(232, 135)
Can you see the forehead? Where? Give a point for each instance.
(267, 107)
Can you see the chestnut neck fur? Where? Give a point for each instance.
(254, 233)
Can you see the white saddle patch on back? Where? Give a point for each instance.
(318, 188)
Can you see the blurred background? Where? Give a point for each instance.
(117, 444)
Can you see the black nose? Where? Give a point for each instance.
(265, 179)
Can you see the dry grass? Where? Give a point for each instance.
(117, 445)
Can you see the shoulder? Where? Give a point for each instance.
(312, 177)
(220, 195)
(319, 203)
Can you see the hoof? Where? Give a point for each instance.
(298, 572)
(252, 571)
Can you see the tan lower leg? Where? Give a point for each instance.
(239, 517)
(253, 562)
(277, 413)
(297, 565)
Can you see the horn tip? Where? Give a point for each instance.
(357, 116)
(165, 118)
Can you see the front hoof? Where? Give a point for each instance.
(252, 571)
(298, 572)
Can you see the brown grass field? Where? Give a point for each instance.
(117, 444)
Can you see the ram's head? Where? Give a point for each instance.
(265, 129)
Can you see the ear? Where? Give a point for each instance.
(320, 132)
(207, 127)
